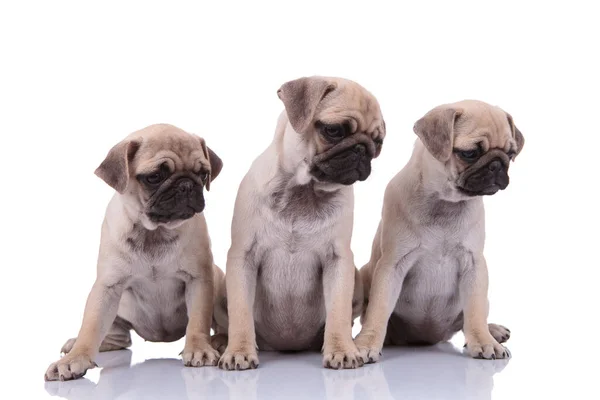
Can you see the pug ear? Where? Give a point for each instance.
(301, 98)
(516, 133)
(436, 131)
(116, 167)
(379, 143)
(216, 164)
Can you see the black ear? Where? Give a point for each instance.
(115, 169)
(519, 139)
(301, 98)
(436, 131)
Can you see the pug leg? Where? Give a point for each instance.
(199, 301)
(220, 319)
(358, 298)
(241, 278)
(474, 287)
(388, 276)
(339, 350)
(219, 339)
(117, 338)
(100, 312)
(219, 342)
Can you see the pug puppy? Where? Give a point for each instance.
(155, 269)
(290, 271)
(427, 277)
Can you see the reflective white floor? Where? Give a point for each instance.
(435, 372)
(539, 368)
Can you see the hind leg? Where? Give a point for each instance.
(220, 320)
(499, 332)
(219, 342)
(117, 338)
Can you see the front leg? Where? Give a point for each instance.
(100, 312)
(474, 287)
(199, 300)
(339, 350)
(240, 278)
(388, 277)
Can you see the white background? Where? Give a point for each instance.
(76, 77)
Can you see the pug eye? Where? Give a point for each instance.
(154, 179)
(203, 176)
(332, 132)
(469, 155)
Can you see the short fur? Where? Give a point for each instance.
(427, 277)
(155, 275)
(290, 270)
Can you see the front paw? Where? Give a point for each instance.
(239, 358)
(487, 348)
(199, 355)
(369, 349)
(341, 356)
(71, 366)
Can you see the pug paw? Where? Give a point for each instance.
(487, 348)
(368, 348)
(71, 366)
(219, 342)
(199, 355)
(68, 346)
(240, 358)
(499, 332)
(340, 356)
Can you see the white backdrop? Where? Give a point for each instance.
(76, 77)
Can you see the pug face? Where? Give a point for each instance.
(171, 187)
(341, 120)
(163, 171)
(475, 142)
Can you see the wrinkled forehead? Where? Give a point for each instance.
(352, 103)
(179, 152)
(484, 125)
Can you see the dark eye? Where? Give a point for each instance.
(203, 176)
(155, 178)
(468, 155)
(333, 132)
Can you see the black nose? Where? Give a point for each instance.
(495, 165)
(185, 186)
(360, 149)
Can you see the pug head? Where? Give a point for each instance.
(474, 141)
(343, 122)
(163, 170)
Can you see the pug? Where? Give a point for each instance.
(155, 271)
(427, 277)
(290, 276)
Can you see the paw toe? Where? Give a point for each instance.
(238, 361)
